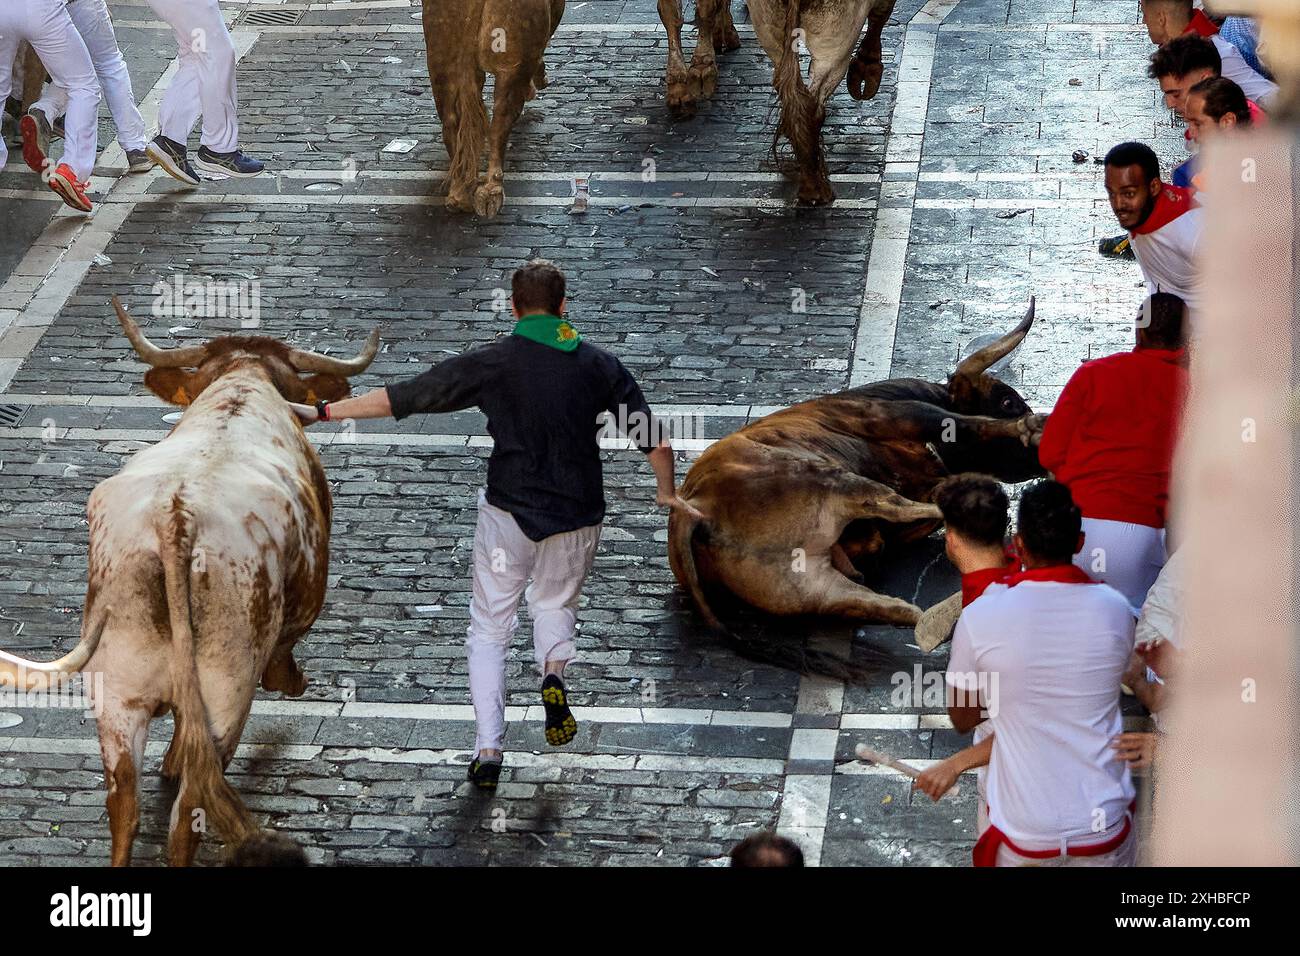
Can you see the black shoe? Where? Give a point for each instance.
(1117, 247)
(172, 157)
(484, 775)
(233, 163)
(560, 725)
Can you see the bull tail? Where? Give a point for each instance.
(681, 547)
(24, 676)
(801, 113)
(202, 779)
(469, 133)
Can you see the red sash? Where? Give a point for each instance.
(1062, 573)
(986, 848)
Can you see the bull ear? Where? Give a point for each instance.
(173, 385)
(324, 388)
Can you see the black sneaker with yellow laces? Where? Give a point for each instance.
(560, 725)
(484, 773)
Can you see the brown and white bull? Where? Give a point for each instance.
(790, 500)
(829, 31)
(209, 553)
(464, 41)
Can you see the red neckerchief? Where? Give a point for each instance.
(1062, 573)
(1172, 202)
(974, 583)
(1201, 25)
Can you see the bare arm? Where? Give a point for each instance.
(373, 404)
(966, 719)
(662, 461)
(938, 779)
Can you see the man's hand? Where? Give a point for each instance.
(686, 508)
(938, 779)
(306, 413)
(1139, 749)
(1030, 429)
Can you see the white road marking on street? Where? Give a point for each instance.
(882, 295)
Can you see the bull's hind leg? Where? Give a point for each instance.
(868, 68)
(832, 593)
(122, 733)
(725, 37)
(511, 92)
(704, 63)
(680, 99)
(283, 673)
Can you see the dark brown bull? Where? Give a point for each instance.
(791, 499)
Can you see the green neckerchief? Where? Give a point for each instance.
(549, 330)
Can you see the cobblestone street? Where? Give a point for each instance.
(958, 199)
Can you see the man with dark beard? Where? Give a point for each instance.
(1163, 221)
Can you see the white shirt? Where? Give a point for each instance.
(1255, 85)
(1167, 256)
(1050, 656)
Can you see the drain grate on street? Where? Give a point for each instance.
(271, 18)
(12, 415)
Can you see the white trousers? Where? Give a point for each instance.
(1126, 556)
(504, 560)
(45, 24)
(205, 81)
(1123, 855)
(92, 21)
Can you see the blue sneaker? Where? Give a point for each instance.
(171, 156)
(234, 163)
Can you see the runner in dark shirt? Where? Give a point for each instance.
(542, 389)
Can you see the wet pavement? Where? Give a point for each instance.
(959, 199)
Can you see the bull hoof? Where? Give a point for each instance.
(488, 199)
(460, 202)
(532, 92)
(681, 100)
(725, 38)
(540, 82)
(864, 79)
(704, 81)
(816, 193)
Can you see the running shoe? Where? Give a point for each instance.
(171, 156)
(233, 163)
(1117, 247)
(560, 725)
(484, 773)
(64, 182)
(35, 128)
(138, 161)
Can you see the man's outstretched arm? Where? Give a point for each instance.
(373, 404)
(661, 460)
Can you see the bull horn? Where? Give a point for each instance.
(37, 675)
(315, 362)
(977, 363)
(151, 354)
